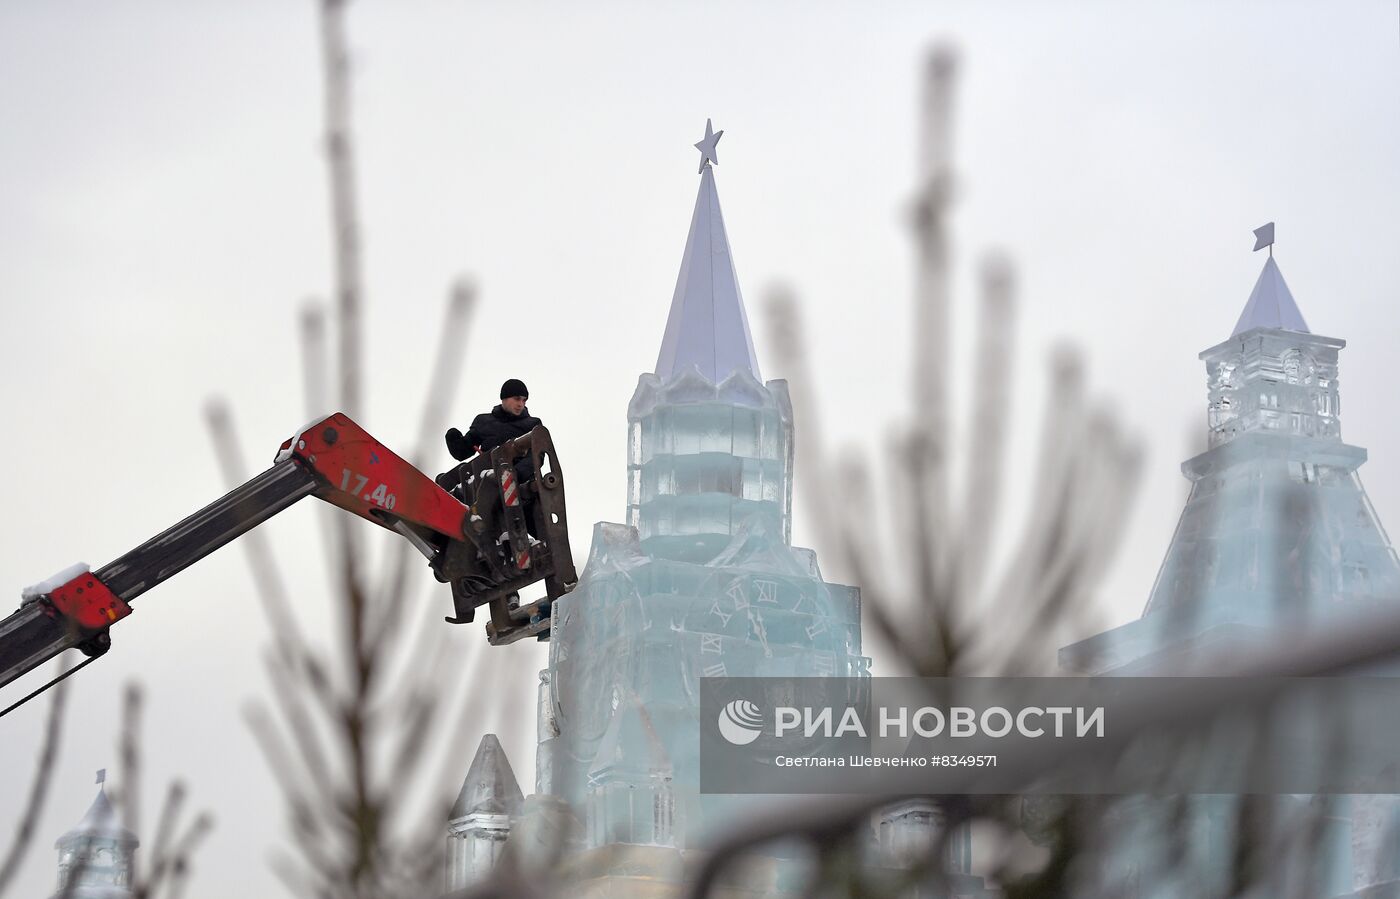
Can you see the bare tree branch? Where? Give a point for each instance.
(38, 785)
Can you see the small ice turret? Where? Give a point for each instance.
(1273, 374)
(1278, 530)
(481, 818)
(710, 444)
(96, 858)
(630, 794)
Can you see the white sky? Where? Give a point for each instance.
(162, 219)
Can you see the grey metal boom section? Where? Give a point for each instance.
(28, 639)
(176, 548)
(33, 635)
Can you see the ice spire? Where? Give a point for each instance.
(1271, 304)
(707, 327)
(96, 857)
(490, 786)
(100, 819)
(482, 817)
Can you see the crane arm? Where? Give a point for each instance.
(333, 459)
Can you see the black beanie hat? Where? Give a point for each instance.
(514, 387)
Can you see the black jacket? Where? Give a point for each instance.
(488, 431)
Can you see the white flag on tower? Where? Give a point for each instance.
(1264, 236)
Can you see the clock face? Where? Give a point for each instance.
(733, 608)
(767, 616)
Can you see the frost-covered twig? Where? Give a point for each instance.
(314, 364)
(923, 603)
(38, 785)
(267, 576)
(345, 223)
(351, 728)
(174, 846)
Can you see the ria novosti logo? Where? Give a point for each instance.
(740, 722)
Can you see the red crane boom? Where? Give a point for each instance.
(501, 528)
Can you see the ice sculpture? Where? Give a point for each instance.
(480, 820)
(702, 581)
(1277, 530)
(96, 857)
(1277, 534)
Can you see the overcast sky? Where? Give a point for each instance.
(163, 219)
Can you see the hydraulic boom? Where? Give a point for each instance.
(477, 538)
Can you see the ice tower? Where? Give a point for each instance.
(710, 446)
(1277, 534)
(480, 820)
(1277, 529)
(701, 581)
(95, 858)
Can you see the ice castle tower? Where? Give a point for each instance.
(1277, 530)
(702, 580)
(1277, 533)
(710, 445)
(480, 820)
(96, 857)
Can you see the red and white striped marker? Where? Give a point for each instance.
(512, 498)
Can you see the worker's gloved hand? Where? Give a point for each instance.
(458, 446)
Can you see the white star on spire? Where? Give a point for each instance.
(706, 146)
